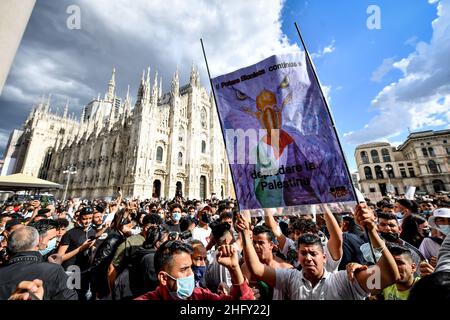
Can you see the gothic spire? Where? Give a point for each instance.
(66, 109)
(112, 85)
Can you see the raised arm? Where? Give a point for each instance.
(258, 270)
(335, 242)
(273, 225)
(385, 272)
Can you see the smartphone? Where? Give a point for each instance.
(92, 238)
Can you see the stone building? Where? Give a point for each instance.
(167, 143)
(422, 161)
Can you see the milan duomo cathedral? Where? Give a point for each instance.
(167, 144)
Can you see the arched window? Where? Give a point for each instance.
(385, 154)
(221, 168)
(364, 157)
(379, 172)
(375, 157)
(368, 173)
(180, 159)
(431, 152)
(424, 152)
(390, 171)
(203, 146)
(159, 154)
(433, 167)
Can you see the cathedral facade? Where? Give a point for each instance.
(166, 144)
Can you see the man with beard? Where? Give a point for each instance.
(264, 243)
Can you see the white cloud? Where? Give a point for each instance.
(421, 97)
(382, 70)
(326, 91)
(235, 33)
(328, 49)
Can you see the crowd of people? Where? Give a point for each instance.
(154, 249)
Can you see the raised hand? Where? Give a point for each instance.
(227, 256)
(364, 216)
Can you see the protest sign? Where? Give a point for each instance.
(279, 137)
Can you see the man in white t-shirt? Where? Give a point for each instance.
(202, 231)
(314, 282)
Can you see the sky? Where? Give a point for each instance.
(381, 83)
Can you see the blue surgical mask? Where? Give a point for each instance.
(199, 272)
(427, 212)
(176, 216)
(445, 229)
(185, 287)
(50, 246)
(399, 215)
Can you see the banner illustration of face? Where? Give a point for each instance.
(280, 143)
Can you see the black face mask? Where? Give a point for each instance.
(391, 237)
(205, 218)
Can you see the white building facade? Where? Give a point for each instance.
(422, 161)
(168, 143)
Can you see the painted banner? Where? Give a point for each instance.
(278, 134)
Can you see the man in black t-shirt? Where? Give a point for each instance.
(75, 248)
(173, 225)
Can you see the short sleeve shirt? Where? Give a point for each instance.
(75, 238)
(332, 286)
(290, 251)
(392, 292)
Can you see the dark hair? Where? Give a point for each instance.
(305, 226)
(387, 216)
(383, 203)
(11, 223)
(410, 230)
(122, 217)
(62, 223)
(219, 229)
(99, 208)
(174, 206)
(225, 215)
(389, 206)
(185, 222)
(398, 250)
(435, 286)
(44, 225)
(152, 218)
(263, 229)
(310, 239)
(408, 204)
(164, 254)
(154, 235)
